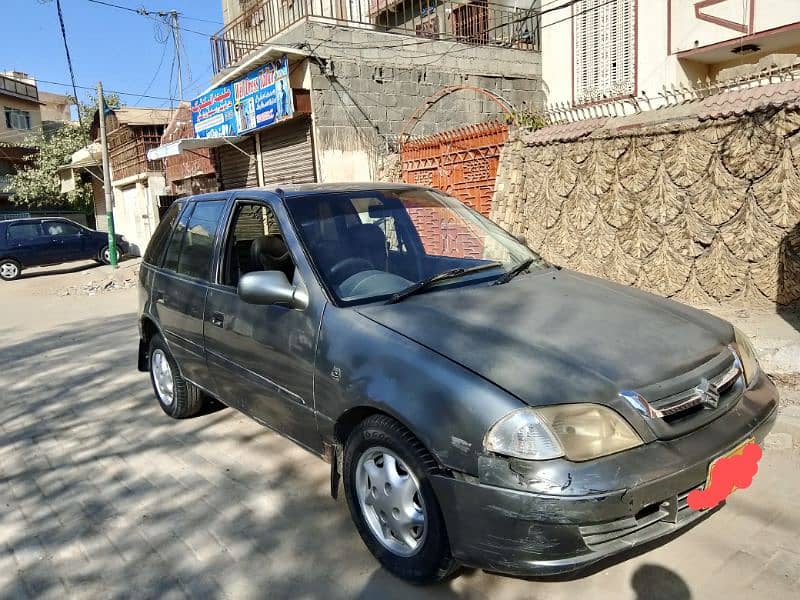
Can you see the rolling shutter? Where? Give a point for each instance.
(237, 169)
(287, 153)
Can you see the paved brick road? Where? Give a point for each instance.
(103, 496)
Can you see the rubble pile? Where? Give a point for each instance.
(123, 279)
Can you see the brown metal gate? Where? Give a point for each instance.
(287, 153)
(237, 166)
(462, 162)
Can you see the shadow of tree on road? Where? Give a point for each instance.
(104, 495)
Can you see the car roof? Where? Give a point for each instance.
(21, 220)
(292, 191)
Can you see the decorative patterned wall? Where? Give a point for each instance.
(705, 212)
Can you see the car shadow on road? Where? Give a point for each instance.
(60, 270)
(104, 496)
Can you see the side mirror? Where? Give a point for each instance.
(271, 287)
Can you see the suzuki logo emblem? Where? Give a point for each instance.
(709, 394)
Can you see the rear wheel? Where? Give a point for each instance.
(9, 269)
(176, 396)
(391, 500)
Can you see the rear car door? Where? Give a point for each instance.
(262, 357)
(179, 287)
(26, 243)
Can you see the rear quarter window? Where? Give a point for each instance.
(22, 232)
(155, 249)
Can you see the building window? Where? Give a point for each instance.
(605, 49)
(18, 119)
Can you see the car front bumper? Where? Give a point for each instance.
(502, 521)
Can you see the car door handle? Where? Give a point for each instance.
(217, 319)
(160, 297)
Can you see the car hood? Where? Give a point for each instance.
(558, 336)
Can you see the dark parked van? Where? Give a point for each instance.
(49, 241)
(479, 405)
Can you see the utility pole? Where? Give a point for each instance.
(112, 238)
(176, 38)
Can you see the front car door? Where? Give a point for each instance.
(261, 358)
(179, 287)
(67, 240)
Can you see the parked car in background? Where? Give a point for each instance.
(481, 406)
(48, 241)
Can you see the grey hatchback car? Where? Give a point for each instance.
(478, 405)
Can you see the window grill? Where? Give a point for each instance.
(605, 49)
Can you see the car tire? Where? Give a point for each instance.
(10, 269)
(103, 256)
(177, 397)
(375, 441)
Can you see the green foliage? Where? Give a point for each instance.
(37, 183)
(528, 119)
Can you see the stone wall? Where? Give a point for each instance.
(702, 211)
(366, 85)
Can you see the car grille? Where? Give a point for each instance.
(720, 388)
(677, 406)
(652, 520)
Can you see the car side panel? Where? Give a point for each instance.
(363, 364)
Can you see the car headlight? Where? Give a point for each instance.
(576, 431)
(747, 356)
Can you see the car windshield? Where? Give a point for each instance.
(372, 245)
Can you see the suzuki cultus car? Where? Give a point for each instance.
(477, 405)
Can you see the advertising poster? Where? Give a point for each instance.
(263, 97)
(213, 113)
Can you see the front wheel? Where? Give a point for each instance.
(9, 269)
(391, 501)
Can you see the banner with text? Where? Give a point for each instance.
(261, 98)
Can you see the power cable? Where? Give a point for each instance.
(69, 58)
(155, 15)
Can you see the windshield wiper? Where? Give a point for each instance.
(429, 281)
(520, 268)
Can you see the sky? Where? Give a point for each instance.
(120, 48)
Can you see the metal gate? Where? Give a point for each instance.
(237, 166)
(462, 162)
(287, 153)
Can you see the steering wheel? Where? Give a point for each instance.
(348, 267)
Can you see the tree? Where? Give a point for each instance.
(37, 183)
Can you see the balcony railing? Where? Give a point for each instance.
(476, 22)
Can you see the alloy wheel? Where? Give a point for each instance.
(162, 377)
(390, 500)
(9, 270)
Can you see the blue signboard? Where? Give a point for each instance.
(213, 113)
(261, 98)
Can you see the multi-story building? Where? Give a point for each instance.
(654, 51)
(26, 110)
(323, 90)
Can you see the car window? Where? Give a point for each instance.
(60, 228)
(176, 240)
(255, 244)
(198, 240)
(155, 249)
(22, 232)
